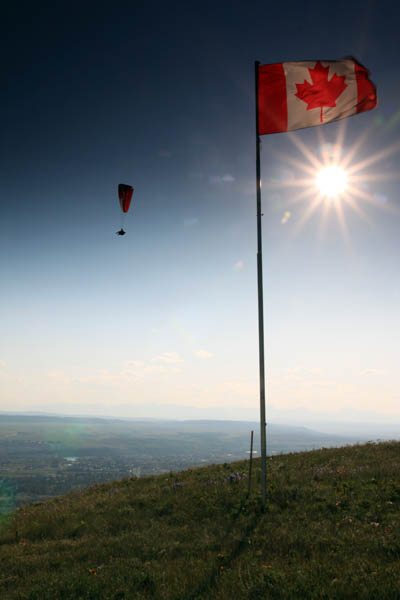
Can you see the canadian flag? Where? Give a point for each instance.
(293, 95)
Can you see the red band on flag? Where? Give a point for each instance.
(272, 102)
(366, 91)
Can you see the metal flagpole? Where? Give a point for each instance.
(260, 307)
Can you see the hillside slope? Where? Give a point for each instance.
(330, 530)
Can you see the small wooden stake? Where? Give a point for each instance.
(251, 462)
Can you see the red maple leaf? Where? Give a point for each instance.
(322, 92)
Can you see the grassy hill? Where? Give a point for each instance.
(330, 530)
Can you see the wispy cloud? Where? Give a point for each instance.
(134, 364)
(2, 365)
(373, 372)
(227, 178)
(167, 357)
(203, 354)
(239, 265)
(133, 370)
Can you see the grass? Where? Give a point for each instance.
(330, 530)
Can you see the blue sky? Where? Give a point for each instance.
(164, 320)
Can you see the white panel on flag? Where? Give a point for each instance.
(298, 72)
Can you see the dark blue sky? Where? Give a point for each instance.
(161, 96)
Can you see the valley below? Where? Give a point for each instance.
(46, 456)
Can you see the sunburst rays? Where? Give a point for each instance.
(354, 194)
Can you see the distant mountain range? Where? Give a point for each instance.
(353, 425)
(280, 437)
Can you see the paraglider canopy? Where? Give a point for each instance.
(125, 196)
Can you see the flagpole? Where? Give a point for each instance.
(263, 436)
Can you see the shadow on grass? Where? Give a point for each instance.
(205, 587)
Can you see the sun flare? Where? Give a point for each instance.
(331, 181)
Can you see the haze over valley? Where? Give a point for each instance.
(42, 456)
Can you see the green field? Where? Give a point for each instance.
(330, 530)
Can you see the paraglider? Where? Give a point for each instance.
(125, 196)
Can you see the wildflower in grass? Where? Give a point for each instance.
(236, 477)
(92, 571)
(267, 566)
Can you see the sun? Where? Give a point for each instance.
(328, 178)
(331, 181)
